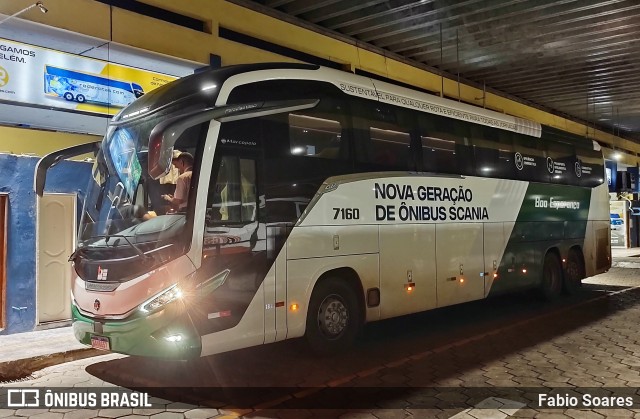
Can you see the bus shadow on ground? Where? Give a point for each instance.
(405, 357)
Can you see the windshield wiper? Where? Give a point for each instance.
(106, 238)
(133, 246)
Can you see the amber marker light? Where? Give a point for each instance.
(461, 280)
(294, 307)
(409, 288)
(495, 275)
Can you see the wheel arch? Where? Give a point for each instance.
(555, 250)
(352, 278)
(336, 297)
(304, 275)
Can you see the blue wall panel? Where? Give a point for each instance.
(16, 179)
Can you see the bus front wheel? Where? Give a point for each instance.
(333, 317)
(81, 99)
(551, 277)
(68, 96)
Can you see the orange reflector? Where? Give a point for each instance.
(294, 307)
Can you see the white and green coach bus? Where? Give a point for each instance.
(319, 201)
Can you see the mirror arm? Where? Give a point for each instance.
(56, 157)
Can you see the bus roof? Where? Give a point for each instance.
(212, 87)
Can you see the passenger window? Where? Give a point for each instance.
(494, 154)
(320, 132)
(232, 192)
(561, 161)
(444, 145)
(315, 136)
(589, 167)
(530, 159)
(389, 140)
(439, 154)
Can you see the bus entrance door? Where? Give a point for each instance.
(275, 284)
(459, 263)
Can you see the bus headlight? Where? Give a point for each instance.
(170, 294)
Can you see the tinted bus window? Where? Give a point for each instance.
(445, 145)
(301, 150)
(438, 154)
(530, 159)
(315, 136)
(561, 163)
(493, 149)
(320, 132)
(232, 192)
(589, 167)
(385, 140)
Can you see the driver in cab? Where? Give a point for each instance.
(183, 161)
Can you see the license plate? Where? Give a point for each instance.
(100, 342)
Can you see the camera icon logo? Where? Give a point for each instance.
(23, 398)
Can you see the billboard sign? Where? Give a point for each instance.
(45, 77)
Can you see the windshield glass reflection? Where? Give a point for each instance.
(126, 210)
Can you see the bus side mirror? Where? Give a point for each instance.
(159, 157)
(51, 159)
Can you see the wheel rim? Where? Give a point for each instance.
(333, 316)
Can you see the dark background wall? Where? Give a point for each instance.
(16, 179)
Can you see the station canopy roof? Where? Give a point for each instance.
(575, 58)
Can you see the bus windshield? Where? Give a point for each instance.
(124, 210)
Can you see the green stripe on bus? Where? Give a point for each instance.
(550, 216)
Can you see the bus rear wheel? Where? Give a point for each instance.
(574, 272)
(551, 287)
(333, 317)
(81, 99)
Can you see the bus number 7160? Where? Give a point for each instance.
(346, 213)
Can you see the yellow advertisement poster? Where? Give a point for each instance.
(41, 76)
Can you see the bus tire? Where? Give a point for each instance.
(81, 99)
(574, 272)
(68, 96)
(551, 286)
(333, 317)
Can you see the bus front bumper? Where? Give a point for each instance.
(168, 333)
